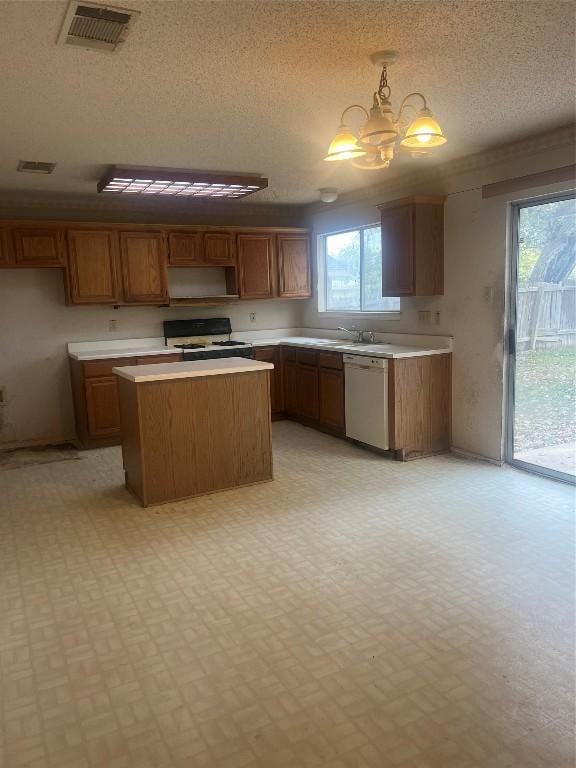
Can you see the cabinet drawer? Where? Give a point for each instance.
(307, 356)
(266, 354)
(153, 359)
(331, 360)
(289, 354)
(92, 368)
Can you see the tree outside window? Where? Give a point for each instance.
(353, 272)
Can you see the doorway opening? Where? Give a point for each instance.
(541, 421)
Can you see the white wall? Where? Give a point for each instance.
(36, 325)
(472, 309)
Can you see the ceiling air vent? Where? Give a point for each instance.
(98, 27)
(33, 166)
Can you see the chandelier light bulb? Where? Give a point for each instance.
(423, 131)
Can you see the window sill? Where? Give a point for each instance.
(391, 314)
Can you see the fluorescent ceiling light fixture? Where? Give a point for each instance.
(179, 182)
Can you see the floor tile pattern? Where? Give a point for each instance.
(354, 613)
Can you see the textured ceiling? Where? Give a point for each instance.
(259, 86)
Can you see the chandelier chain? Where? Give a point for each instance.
(384, 88)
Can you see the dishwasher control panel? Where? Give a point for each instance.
(363, 361)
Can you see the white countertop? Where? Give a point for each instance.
(167, 371)
(390, 345)
(103, 354)
(378, 349)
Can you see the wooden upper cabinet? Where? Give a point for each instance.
(256, 266)
(185, 249)
(413, 247)
(93, 267)
(143, 261)
(219, 249)
(397, 251)
(38, 247)
(294, 279)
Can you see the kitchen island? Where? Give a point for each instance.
(195, 427)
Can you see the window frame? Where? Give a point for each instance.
(323, 274)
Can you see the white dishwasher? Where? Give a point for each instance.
(366, 384)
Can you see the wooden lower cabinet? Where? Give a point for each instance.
(273, 354)
(5, 260)
(291, 388)
(95, 395)
(419, 398)
(307, 392)
(314, 394)
(331, 398)
(419, 405)
(102, 407)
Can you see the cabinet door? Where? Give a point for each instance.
(273, 355)
(255, 264)
(93, 267)
(294, 280)
(143, 267)
(38, 247)
(185, 249)
(4, 249)
(219, 249)
(102, 406)
(291, 387)
(331, 387)
(308, 392)
(398, 251)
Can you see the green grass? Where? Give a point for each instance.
(545, 398)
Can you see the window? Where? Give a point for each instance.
(352, 272)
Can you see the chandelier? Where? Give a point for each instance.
(373, 146)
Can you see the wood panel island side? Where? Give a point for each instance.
(194, 428)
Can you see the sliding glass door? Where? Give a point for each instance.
(541, 428)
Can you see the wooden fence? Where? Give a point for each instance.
(546, 315)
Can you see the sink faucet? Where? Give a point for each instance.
(359, 336)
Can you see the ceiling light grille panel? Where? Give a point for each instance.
(178, 182)
(98, 27)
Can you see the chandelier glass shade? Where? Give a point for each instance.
(382, 131)
(344, 145)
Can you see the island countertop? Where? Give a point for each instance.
(167, 371)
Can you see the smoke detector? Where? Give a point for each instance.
(328, 194)
(35, 166)
(96, 27)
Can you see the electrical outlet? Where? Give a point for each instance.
(252, 317)
(488, 294)
(112, 325)
(424, 316)
(3, 396)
